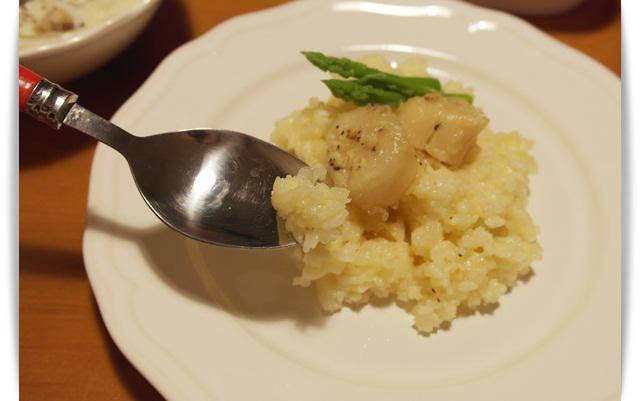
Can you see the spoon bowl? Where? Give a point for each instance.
(213, 185)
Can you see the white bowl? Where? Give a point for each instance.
(74, 55)
(531, 7)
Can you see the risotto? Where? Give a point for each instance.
(435, 232)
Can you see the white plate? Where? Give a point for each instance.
(205, 323)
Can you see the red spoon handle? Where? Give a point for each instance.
(27, 80)
(43, 100)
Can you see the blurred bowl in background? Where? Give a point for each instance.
(531, 7)
(67, 56)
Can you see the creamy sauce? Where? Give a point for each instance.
(47, 21)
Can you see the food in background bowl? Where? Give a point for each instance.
(409, 195)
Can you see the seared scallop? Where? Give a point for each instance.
(446, 127)
(370, 154)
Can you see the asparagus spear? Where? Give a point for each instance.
(361, 94)
(371, 84)
(408, 86)
(464, 96)
(341, 66)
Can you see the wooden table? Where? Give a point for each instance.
(65, 350)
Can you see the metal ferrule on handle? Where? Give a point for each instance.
(55, 106)
(50, 103)
(47, 102)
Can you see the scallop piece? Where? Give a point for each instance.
(370, 154)
(418, 117)
(446, 127)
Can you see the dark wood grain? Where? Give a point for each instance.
(65, 350)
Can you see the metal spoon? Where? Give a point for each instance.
(211, 185)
